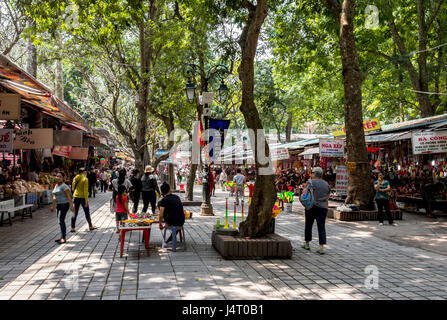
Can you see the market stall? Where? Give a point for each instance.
(413, 157)
(34, 124)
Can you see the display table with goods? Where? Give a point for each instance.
(18, 196)
(137, 224)
(419, 181)
(429, 196)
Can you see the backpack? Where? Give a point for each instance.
(307, 198)
(148, 183)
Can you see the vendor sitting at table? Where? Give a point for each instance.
(171, 209)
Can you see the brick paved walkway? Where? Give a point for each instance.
(88, 267)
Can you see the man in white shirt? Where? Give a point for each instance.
(104, 177)
(239, 180)
(222, 179)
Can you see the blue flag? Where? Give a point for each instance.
(221, 126)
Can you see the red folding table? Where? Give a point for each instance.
(146, 234)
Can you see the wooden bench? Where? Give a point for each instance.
(8, 207)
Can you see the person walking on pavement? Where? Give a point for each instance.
(383, 188)
(62, 201)
(136, 189)
(114, 175)
(104, 177)
(239, 180)
(321, 193)
(149, 187)
(91, 176)
(222, 179)
(80, 195)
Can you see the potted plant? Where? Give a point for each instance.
(287, 198)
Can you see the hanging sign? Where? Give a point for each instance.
(10, 106)
(332, 148)
(368, 126)
(207, 97)
(79, 153)
(341, 184)
(6, 138)
(429, 142)
(279, 154)
(67, 138)
(62, 151)
(33, 139)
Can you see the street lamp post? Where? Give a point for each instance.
(190, 72)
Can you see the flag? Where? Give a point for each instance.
(200, 141)
(221, 126)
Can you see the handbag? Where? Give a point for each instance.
(307, 198)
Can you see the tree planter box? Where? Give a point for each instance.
(362, 215)
(271, 246)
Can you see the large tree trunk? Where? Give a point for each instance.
(358, 191)
(264, 194)
(190, 182)
(31, 60)
(146, 50)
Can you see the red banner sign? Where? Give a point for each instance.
(62, 151)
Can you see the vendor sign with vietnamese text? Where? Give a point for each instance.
(368, 126)
(429, 142)
(33, 139)
(341, 184)
(10, 106)
(6, 138)
(332, 148)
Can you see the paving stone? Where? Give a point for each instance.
(32, 267)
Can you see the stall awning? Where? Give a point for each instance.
(310, 152)
(307, 142)
(388, 137)
(36, 94)
(414, 124)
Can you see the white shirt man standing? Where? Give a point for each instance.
(239, 180)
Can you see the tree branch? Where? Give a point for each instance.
(433, 17)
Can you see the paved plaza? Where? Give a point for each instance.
(33, 266)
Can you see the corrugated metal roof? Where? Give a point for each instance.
(413, 124)
(303, 143)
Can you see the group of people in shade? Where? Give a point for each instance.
(171, 211)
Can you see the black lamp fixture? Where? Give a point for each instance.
(190, 91)
(222, 92)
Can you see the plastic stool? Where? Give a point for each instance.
(174, 230)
